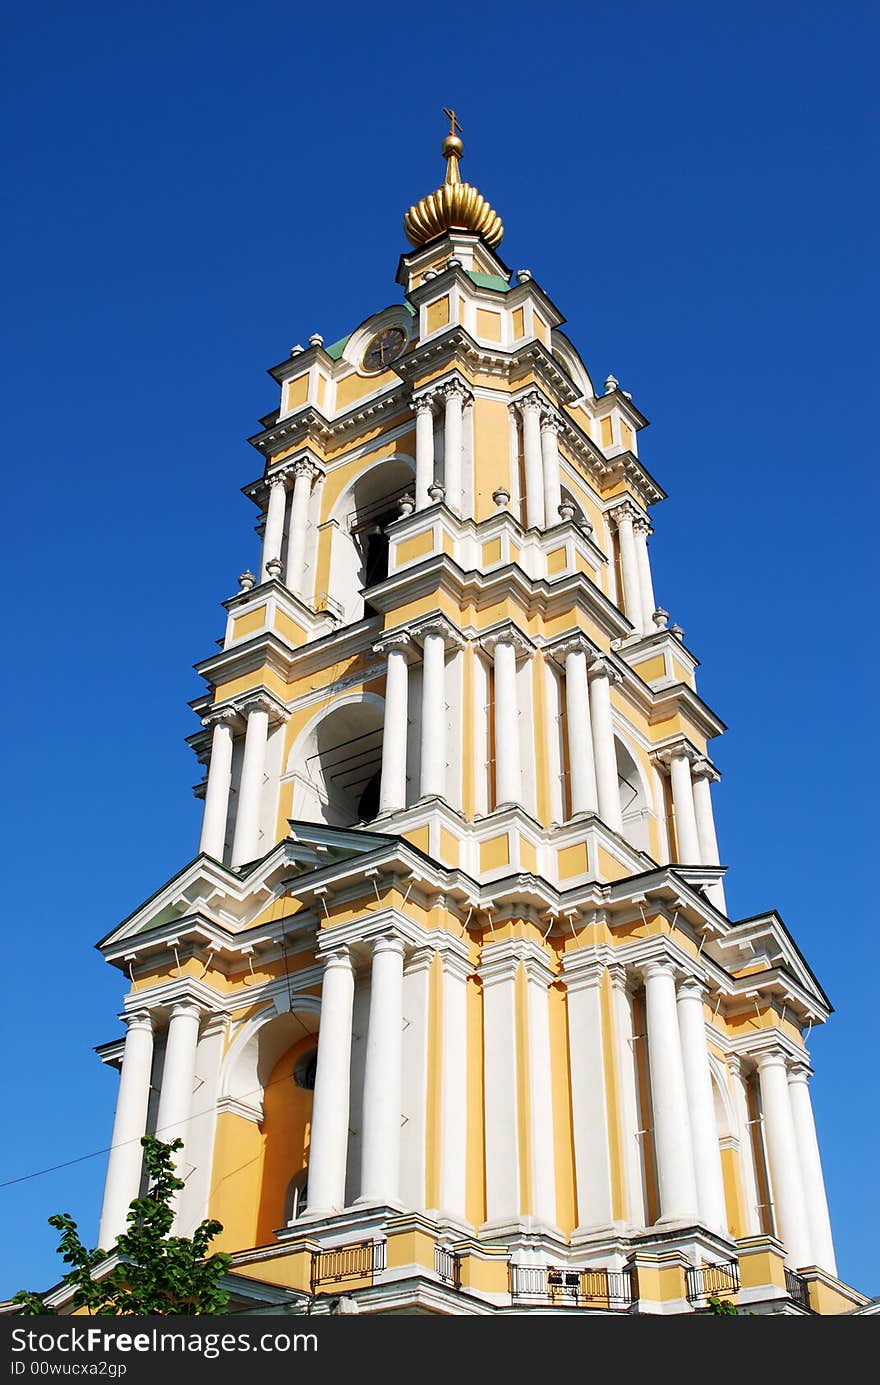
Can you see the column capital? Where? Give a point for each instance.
(425, 403)
(438, 625)
(681, 748)
(659, 966)
(454, 962)
(581, 970)
(619, 979)
(279, 478)
(508, 634)
(624, 512)
(185, 1008)
(398, 642)
(734, 1064)
(263, 701)
(570, 644)
(219, 716)
(702, 768)
(337, 957)
(389, 942)
(138, 1019)
(306, 467)
(452, 388)
(771, 1057)
(602, 667)
(799, 1069)
(550, 421)
(532, 402)
(691, 988)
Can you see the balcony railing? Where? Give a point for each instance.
(362, 1260)
(447, 1266)
(555, 1286)
(708, 1281)
(796, 1288)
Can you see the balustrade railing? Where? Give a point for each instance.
(362, 1260)
(560, 1286)
(710, 1281)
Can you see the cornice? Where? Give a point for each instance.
(537, 594)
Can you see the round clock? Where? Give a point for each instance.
(385, 347)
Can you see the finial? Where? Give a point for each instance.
(453, 148)
(610, 385)
(455, 205)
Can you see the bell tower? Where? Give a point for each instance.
(448, 1009)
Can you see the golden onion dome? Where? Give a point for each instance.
(455, 206)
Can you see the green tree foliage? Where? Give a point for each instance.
(157, 1272)
(721, 1307)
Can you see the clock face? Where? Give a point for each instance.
(385, 347)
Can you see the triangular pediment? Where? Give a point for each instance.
(234, 899)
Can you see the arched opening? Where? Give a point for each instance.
(365, 512)
(264, 1134)
(633, 799)
(338, 765)
(579, 518)
(297, 1198)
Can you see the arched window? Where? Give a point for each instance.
(633, 799)
(360, 547)
(338, 765)
(297, 1199)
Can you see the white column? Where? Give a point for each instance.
(627, 1086)
(538, 980)
(433, 730)
(581, 765)
(746, 1149)
(672, 1136)
(419, 1024)
(274, 530)
(330, 1105)
(246, 840)
(380, 1140)
(530, 408)
(815, 1199)
(202, 1124)
(686, 837)
(178, 1077)
(583, 979)
(601, 677)
(703, 775)
(632, 594)
(124, 1164)
(498, 973)
(304, 475)
(782, 1156)
(424, 411)
(642, 529)
(701, 1106)
(508, 767)
(550, 458)
(216, 810)
(392, 790)
(454, 396)
(453, 1087)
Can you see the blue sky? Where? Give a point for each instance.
(192, 189)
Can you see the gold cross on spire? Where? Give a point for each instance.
(454, 127)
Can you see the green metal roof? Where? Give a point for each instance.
(336, 350)
(489, 281)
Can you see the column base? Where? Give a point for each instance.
(684, 1221)
(601, 1231)
(520, 1226)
